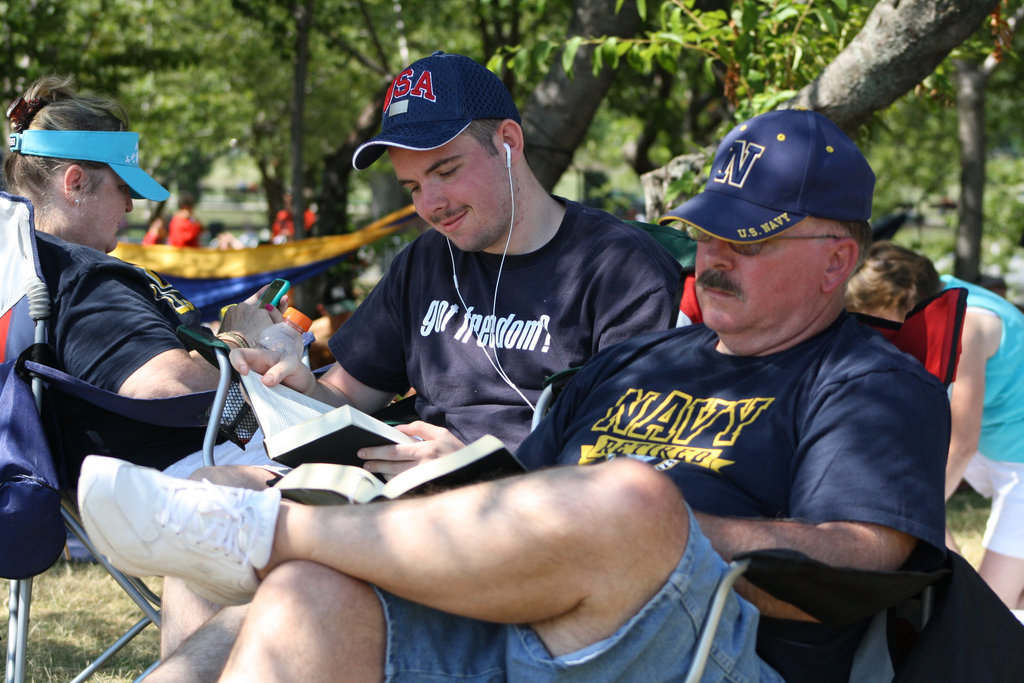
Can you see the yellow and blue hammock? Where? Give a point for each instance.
(212, 279)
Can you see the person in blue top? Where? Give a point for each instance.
(779, 423)
(987, 403)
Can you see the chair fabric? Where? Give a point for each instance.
(930, 333)
(31, 527)
(837, 596)
(683, 250)
(971, 635)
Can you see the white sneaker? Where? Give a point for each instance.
(147, 523)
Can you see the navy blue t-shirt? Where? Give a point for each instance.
(596, 282)
(109, 319)
(840, 427)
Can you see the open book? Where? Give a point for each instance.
(300, 429)
(330, 484)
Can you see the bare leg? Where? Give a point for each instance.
(310, 623)
(183, 611)
(1005, 576)
(201, 658)
(510, 551)
(182, 614)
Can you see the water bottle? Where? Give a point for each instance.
(285, 337)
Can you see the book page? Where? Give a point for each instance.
(327, 483)
(279, 407)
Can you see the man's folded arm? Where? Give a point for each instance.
(859, 545)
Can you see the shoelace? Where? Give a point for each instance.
(213, 518)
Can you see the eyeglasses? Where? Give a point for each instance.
(21, 112)
(753, 248)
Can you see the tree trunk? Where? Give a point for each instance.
(333, 217)
(970, 108)
(559, 111)
(303, 22)
(901, 43)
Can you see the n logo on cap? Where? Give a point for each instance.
(740, 160)
(403, 86)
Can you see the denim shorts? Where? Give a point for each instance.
(657, 644)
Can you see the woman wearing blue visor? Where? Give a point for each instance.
(113, 323)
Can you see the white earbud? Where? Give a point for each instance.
(495, 361)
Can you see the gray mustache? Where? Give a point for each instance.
(716, 279)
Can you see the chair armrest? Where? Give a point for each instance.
(834, 595)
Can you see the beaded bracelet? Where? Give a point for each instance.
(236, 337)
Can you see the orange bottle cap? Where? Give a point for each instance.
(298, 318)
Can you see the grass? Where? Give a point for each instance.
(77, 609)
(966, 514)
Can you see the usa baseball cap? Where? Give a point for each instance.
(119, 150)
(433, 100)
(773, 171)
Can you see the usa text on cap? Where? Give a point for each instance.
(433, 100)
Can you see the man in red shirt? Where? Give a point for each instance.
(184, 228)
(283, 229)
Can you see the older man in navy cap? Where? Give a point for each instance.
(781, 423)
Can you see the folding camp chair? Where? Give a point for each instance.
(24, 325)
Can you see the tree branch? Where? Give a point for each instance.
(901, 43)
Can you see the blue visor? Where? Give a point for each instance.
(119, 150)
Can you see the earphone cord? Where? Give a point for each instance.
(495, 362)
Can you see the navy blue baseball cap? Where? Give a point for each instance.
(433, 100)
(773, 171)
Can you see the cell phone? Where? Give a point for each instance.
(275, 291)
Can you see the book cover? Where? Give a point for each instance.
(327, 484)
(298, 429)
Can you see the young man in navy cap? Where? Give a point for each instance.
(779, 423)
(511, 286)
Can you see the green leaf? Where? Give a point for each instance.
(828, 22)
(569, 53)
(785, 14)
(666, 37)
(749, 16)
(798, 54)
(597, 61)
(682, 188)
(667, 61)
(709, 73)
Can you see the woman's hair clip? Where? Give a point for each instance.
(21, 112)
